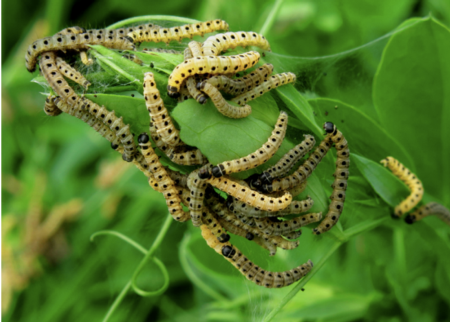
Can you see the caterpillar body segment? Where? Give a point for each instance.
(272, 82)
(250, 197)
(91, 120)
(161, 50)
(207, 218)
(340, 181)
(303, 172)
(195, 48)
(295, 207)
(430, 209)
(260, 156)
(177, 33)
(251, 271)
(285, 164)
(413, 183)
(179, 179)
(192, 157)
(80, 41)
(209, 65)
(71, 73)
(269, 227)
(159, 115)
(166, 184)
(85, 59)
(197, 187)
(225, 108)
(216, 44)
(191, 83)
(293, 235)
(50, 107)
(242, 84)
(72, 30)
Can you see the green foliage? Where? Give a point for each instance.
(389, 97)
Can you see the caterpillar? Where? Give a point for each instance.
(71, 73)
(285, 164)
(273, 82)
(431, 208)
(191, 84)
(410, 180)
(295, 207)
(340, 179)
(158, 112)
(72, 30)
(161, 50)
(165, 182)
(195, 49)
(85, 59)
(177, 33)
(133, 58)
(251, 271)
(50, 108)
(207, 218)
(179, 179)
(269, 242)
(250, 197)
(269, 227)
(242, 84)
(303, 172)
(209, 65)
(197, 187)
(258, 157)
(225, 108)
(192, 157)
(293, 235)
(63, 42)
(216, 44)
(91, 120)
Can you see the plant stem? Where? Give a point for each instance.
(117, 301)
(271, 18)
(302, 283)
(139, 19)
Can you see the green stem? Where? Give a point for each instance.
(148, 257)
(271, 18)
(121, 236)
(117, 301)
(359, 228)
(141, 19)
(302, 283)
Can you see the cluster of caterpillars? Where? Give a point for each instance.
(416, 192)
(255, 207)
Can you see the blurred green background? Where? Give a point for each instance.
(55, 168)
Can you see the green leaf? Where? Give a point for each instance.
(411, 94)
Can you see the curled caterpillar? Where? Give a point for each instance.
(197, 187)
(225, 108)
(250, 197)
(177, 33)
(166, 183)
(240, 85)
(303, 172)
(340, 179)
(71, 73)
(50, 107)
(158, 112)
(108, 38)
(285, 164)
(410, 180)
(251, 271)
(272, 82)
(216, 44)
(161, 50)
(68, 96)
(295, 207)
(258, 157)
(209, 65)
(91, 120)
(269, 242)
(431, 208)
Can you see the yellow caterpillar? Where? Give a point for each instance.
(209, 65)
(410, 180)
(197, 187)
(216, 44)
(251, 271)
(340, 181)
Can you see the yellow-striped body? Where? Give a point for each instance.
(216, 44)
